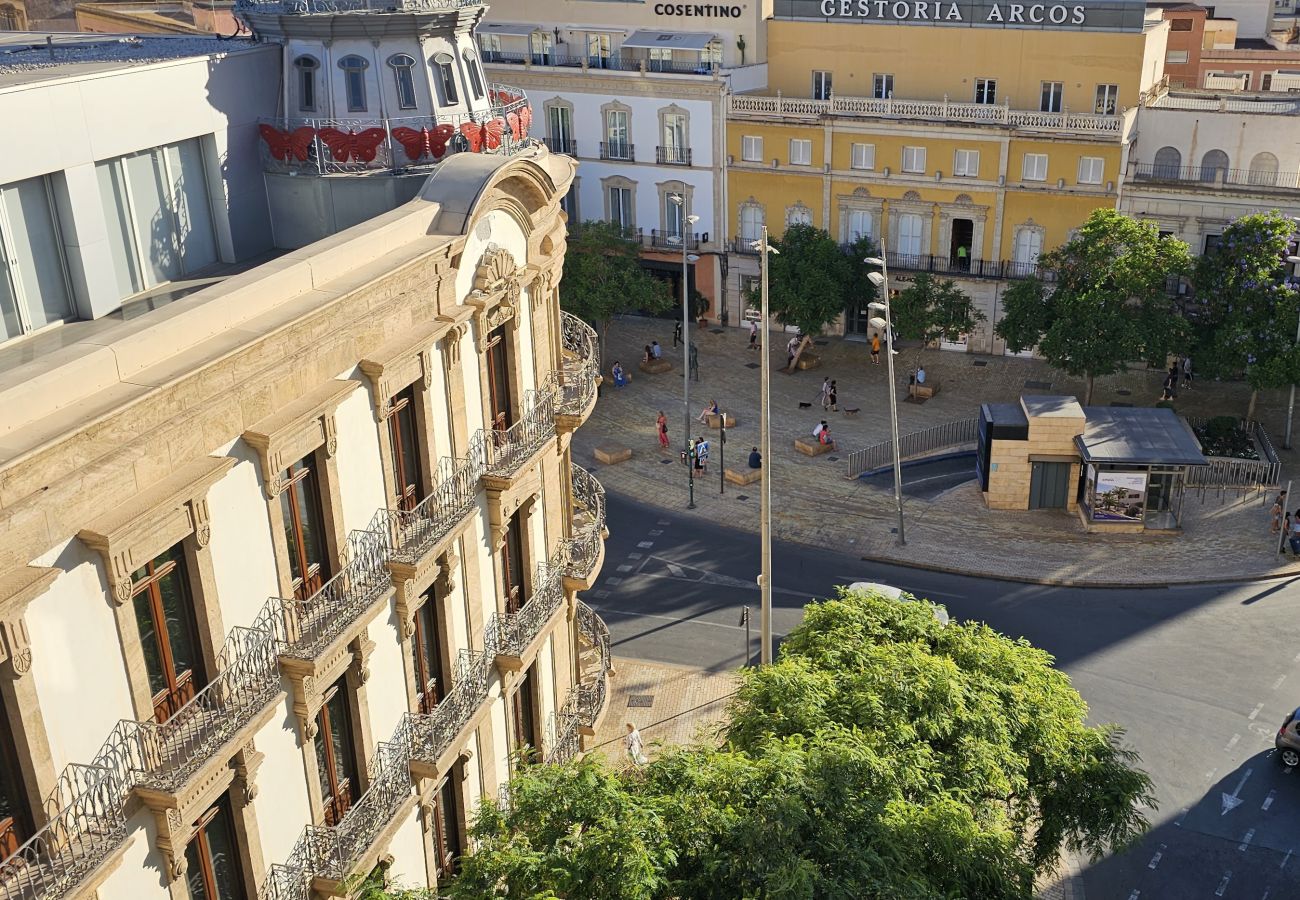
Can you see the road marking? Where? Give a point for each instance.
(1245, 842)
(1268, 801)
(1155, 860)
(613, 581)
(1232, 801)
(1267, 891)
(1223, 885)
(626, 568)
(1181, 816)
(1287, 860)
(666, 522)
(655, 532)
(1277, 684)
(1134, 895)
(1231, 743)
(1209, 776)
(1255, 711)
(635, 555)
(646, 545)
(675, 570)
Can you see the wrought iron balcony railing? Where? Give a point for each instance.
(579, 373)
(327, 7)
(673, 156)
(505, 450)
(413, 533)
(672, 240)
(1267, 180)
(432, 734)
(562, 145)
(509, 634)
(617, 150)
(582, 548)
(313, 624)
(588, 697)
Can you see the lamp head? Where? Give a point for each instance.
(877, 322)
(677, 198)
(1293, 259)
(876, 278)
(878, 307)
(691, 257)
(874, 261)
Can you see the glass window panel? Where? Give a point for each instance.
(223, 853)
(344, 766)
(150, 642)
(117, 215)
(178, 615)
(154, 228)
(322, 757)
(195, 877)
(10, 326)
(193, 214)
(308, 507)
(32, 240)
(287, 509)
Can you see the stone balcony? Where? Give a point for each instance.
(578, 376)
(513, 637)
(584, 549)
(589, 698)
(435, 737)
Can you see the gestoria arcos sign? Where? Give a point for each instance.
(1112, 16)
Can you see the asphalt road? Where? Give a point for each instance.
(1200, 676)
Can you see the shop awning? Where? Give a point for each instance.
(1138, 436)
(673, 40)
(508, 28)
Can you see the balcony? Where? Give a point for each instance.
(617, 150)
(584, 549)
(415, 534)
(586, 702)
(947, 266)
(672, 240)
(613, 63)
(329, 146)
(506, 450)
(578, 375)
(567, 146)
(329, 7)
(1247, 181)
(744, 246)
(313, 625)
(512, 636)
(434, 735)
(945, 111)
(673, 156)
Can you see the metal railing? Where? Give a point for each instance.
(1212, 176)
(505, 450)
(617, 150)
(585, 701)
(950, 265)
(945, 110)
(562, 145)
(1228, 473)
(582, 548)
(673, 156)
(431, 735)
(309, 7)
(673, 239)
(918, 443)
(509, 633)
(576, 379)
(412, 533)
(313, 624)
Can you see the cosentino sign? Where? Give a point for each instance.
(1112, 16)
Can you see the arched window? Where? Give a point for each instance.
(9, 18)
(306, 67)
(751, 222)
(1263, 168)
(857, 225)
(475, 74)
(354, 81)
(798, 215)
(445, 79)
(403, 67)
(1168, 163)
(1212, 163)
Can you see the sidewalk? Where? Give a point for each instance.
(1224, 538)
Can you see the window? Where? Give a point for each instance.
(559, 126)
(475, 75)
(1028, 244)
(798, 215)
(909, 234)
(1214, 166)
(1107, 97)
(1266, 82)
(751, 148)
(863, 156)
(1180, 25)
(1091, 169)
(674, 215)
(159, 217)
(966, 163)
(164, 614)
(598, 51)
(1035, 167)
(569, 202)
(445, 79)
(1263, 169)
(913, 159)
(15, 818)
(882, 86)
(1168, 163)
(1212, 243)
(661, 59)
(447, 846)
(857, 225)
(751, 222)
(354, 81)
(336, 761)
(513, 582)
(304, 529)
(821, 86)
(800, 152)
(523, 708)
(431, 683)
(617, 127)
(674, 147)
(33, 287)
(986, 90)
(402, 67)
(711, 55)
(539, 44)
(1050, 101)
(620, 208)
(402, 435)
(490, 46)
(306, 68)
(212, 870)
(500, 407)
(1176, 57)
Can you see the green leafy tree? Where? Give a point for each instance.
(885, 756)
(931, 309)
(603, 277)
(1109, 303)
(858, 289)
(1245, 314)
(806, 282)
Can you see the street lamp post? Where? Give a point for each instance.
(1290, 406)
(687, 221)
(765, 443)
(881, 280)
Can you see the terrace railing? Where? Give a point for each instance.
(509, 633)
(949, 434)
(432, 734)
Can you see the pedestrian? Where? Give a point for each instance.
(791, 348)
(824, 436)
(656, 351)
(875, 349)
(1275, 517)
(753, 334)
(1286, 532)
(710, 410)
(834, 397)
(1295, 533)
(1187, 371)
(620, 379)
(825, 395)
(1171, 382)
(755, 459)
(701, 454)
(635, 746)
(819, 428)
(661, 424)
(695, 363)
(648, 354)
(677, 333)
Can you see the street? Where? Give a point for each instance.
(1200, 677)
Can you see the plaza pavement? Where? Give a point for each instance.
(1225, 536)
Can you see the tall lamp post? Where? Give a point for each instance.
(1290, 406)
(765, 483)
(881, 280)
(687, 258)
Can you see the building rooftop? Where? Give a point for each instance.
(29, 56)
(1048, 405)
(1262, 104)
(1138, 436)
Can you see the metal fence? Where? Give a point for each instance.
(918, 443)
(1229, 474)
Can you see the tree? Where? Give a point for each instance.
(884, 756)
(603, 277)
(1245, 314)
(933, 308)
(1109, 303)
(806, 282)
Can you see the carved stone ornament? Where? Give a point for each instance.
(331, 435)
(426, 364)
(246, 764)
(541, 289)
(122, 589)
(496, 290)
(16, 646)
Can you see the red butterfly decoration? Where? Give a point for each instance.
(493, 129)
(425, 142)
(502, 98)
(345, 145)
(526, 119)
(474, 134)
(515, 126)
(283, 144)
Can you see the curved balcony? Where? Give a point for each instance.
(331, 146)
(436, 734)
(584, 549)
(506, 450)
(579, 373)
(587, 700)
(512, 637)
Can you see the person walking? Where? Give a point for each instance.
(677, 333)
(661, 425)
(791, 348)
(1187, 371)
(620, 379)
(825, 395)
(753, 335)
(875, 349)
(833, 395)
(635, 746)
(695, 362)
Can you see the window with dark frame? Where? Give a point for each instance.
(986, 90)
(447, 846)
(304, 528)
(15, 814)
(475, 75)
(306, 67)
(524, 712)
(213, 870)
(354, 81)
(430, 679)
(445, 79)
(336, 761)
(164, 615)
(499, 394)
(408, 480)
(403, 66)
(512, 565)
(1052, 97)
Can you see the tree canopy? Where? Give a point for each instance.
(806, 280)
(885, 756)
(932, 308)
(603, 276)
(1108, 304)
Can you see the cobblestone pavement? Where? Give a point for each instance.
(1225, 536)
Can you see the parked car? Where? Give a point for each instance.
(893, 593)
(1287, 741)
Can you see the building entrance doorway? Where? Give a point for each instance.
(959, 252)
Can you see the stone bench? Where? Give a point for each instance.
(655, 366)
(923, 391)
(743, 476)
(812, 447)
(712, 420)
(609, 454)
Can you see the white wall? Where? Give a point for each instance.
(439, 431)
(476, 541)
(139, 876)
(1254, 17)
(546, 682)
(243, 557)
(386, 690)
(361, 472)
(1241, 135)
(74, 621)
(500, 733)
(407, 848)
(282, 804)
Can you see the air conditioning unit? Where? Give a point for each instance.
(775, 162)
(938, 176)
(1060, 183)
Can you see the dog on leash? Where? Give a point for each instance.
(803, 405)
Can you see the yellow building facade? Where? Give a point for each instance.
(961, 150)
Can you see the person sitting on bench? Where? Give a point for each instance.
(755, 459)
(710, 410)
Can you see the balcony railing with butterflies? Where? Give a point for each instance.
(325, 146)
